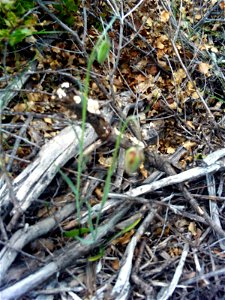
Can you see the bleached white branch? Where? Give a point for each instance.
(189, 175)
(165, 293)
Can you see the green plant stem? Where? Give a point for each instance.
(84, 113)
(111, 170)
(84, 116)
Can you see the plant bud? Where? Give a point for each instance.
(133, 158)
(103, 50)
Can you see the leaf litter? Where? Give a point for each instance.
(173, 246)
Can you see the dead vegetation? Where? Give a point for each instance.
(161, 232)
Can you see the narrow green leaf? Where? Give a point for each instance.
(97, 256)
(76, 232)
(131, 226)
(69, 182)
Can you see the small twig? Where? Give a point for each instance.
(208, 13)
(19, 251)
(62, 261)
(204, 276)
(121, 286)
(17, 142)
(193, 83)
(167, 292)
(63, 25)
(3, 231)
(132, 10)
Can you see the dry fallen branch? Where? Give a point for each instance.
(67, 257)
(188, 175)
(36, 177)
(22, 237)
(8, 93)
(165, 293)
(122, 285)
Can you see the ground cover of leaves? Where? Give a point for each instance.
(165, 68)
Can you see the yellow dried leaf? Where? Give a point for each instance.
(143, 86)
(179, 76)
(35, 97)
(190, 124)
(204, 68)
(195, 95)
(99, 193)
(181, 223)
(189, 144)
(190, 87)
(192, 228)
(48, 120)
(20, 107)
(164, 17)
(198, 17)
(156, 93)
(161, 62)
(173, 105)
(159, 44)
(106, 162)
(214, 49)
(149, 22)
(143, 171)
(125, 239)
(47, 135)
(170, 150)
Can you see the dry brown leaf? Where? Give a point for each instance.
(173, 105)
(222, 5)
(198, 17)
(34, 97)
(20, 107)
(125, 239)
(161, 62)
(116, 264)
(214, 49)
(181, 223)
(143, 86)
(159, 44)
(99, 193)
(175, 252)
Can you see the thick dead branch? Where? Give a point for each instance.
(122, 285)
(165, 293)
(36, 177)
(67, 257)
